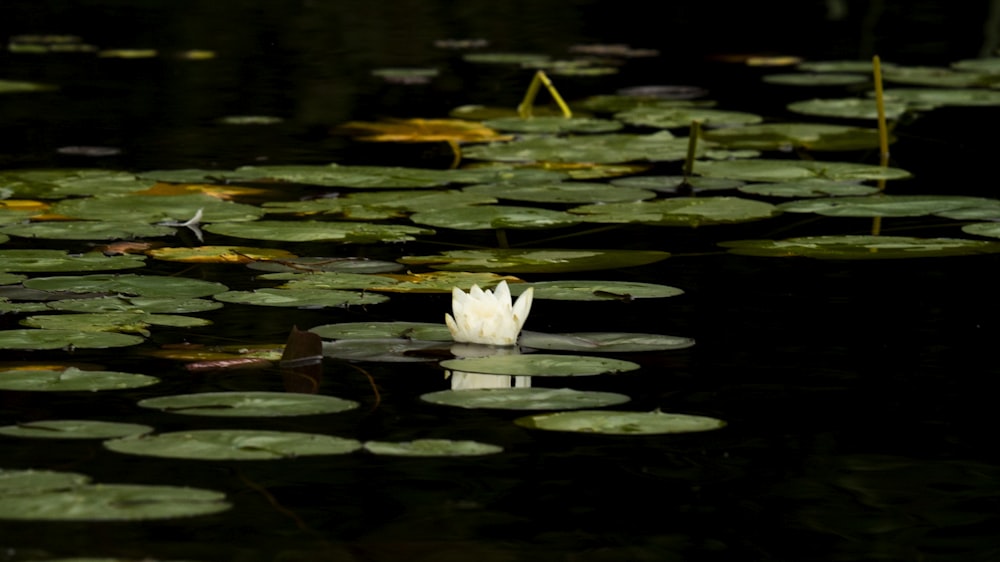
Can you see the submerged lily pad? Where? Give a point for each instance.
(608, 342)
(64, 339)
(73, 429)
(70, 379)
(424, 331)
(810, 136)
(31, 261)
(679, 211)
(621, 423)
(570, 290)
(112, 502)
(861, 247)
(129, 284)
(249, 404)
(319, 231)
(530, 398)
(539, 365)
(300, 297)
(536, 261)
(432, 448)
(780, 170)
(494, 216)
(233, 444)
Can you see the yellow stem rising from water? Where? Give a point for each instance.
(539, 80)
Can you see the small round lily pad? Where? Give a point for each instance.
(233, 444)
(620, 423)
(432, 448)
(113, 502)
(71, 379)
(525, 398)
(74, 429)
(539, 365)
(249, 404)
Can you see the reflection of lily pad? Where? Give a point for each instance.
(74, 429)
(861, 247)
(570, 290)
(71, 379)
(539, 365)
(130, 284)
(679, 211)
(29, 261)
(530, 398)
(319, 231)
(432, 448)
(300, 297)
(778, 170)
(620, 423)
(233, 444)
(536, 261)
(249, 404)
(112, 502)
(607, 342)
(424, 331)
(494, 216)
(64, 339)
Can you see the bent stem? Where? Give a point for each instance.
(540, 78)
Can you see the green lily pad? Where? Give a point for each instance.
(249, 120)
(158, 208)
(989, 229)
(494, 216)
(326, 264)
(64, 339)
(20, 86)
(129, 284)
(676, 117)
(432, 448)
(570, 290)
(936, 76)
(332, 280)
(437, 282)
(539, 365)
(233, 444)
(32, 261)
(848, 108)
(838, 66)
(333, 175)
(594, 149)
(71, 379)
(554, 125)
(11, 278)
(505, 58)
(59, 183)
(73, 429)
(249, 404)
(530, 398)
(608, 342)
(620, 423)
(86, 230)
(122, 303)
(929, 98)
(780, 170)
(679, 211)
(474, 112)
(127, 321)
(817, 79)
(536, 261)
(989, 65)
(676, 184)
(319, 231)
(882, 205)
(861, 247)
(300, 297)
(26, 482)
(424, 331)
(815, 187)
(567, 192)
(614, 103)
(809, 136)
(377, 205)
(385, 350)
(113, 502)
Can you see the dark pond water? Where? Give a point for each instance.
(856, 393)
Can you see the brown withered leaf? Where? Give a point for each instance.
(421, 130)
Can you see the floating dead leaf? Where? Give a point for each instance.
(224, 192)
(421, 130)
(219, 254)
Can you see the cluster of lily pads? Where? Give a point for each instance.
(597, 168)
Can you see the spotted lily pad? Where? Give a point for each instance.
(607, 342)
(319, 231)
(495, 216)
(432, 448)
(73, 429)
(64, 339)
(70, 379)
(424, 331)
(31, 261)
(129, 284)
(530, 398)
(882, 205)
(112, 502)
(861, 247)
(593, 149)
(249, 404)
(780, 170)
(679, 211)
(539, 365)
(536, 261)
(596, 290)
(233, 444)
(621, 423)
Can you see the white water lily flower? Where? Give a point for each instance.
(487, 317)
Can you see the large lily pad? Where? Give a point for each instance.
(680, 211)
(73, 429)
(676, 117)
(317, 264)
(333, 175)
(564, 192)
(848, 108)
(300, 297)
(678, 184)
(929, 98)
(31, 261)
(810, 136)
(554, 125)
(23, 482)
(64, 339)
(815, 187)
(249, 404)
(424, 331)
(607, 342)
(570, 290)
(378, 205)
(70, 379)
(539, 365)
(385, 350)
(59, 183)
(155, 208)
(621, 423)
(594, 149)
(233, 444)
(129, 284)
(319, 231)
(536, 261)
(495, 216)
(125, 321)
(882, 205)
(432, 448)
(87, 230)
(780, 170)
(989, 229)
(861, 247)
(124, 303)
(530, 398)
(112, 502)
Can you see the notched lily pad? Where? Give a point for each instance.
(621, 423)
(861, 247)
(233, 444)
(73, 429)
(432, 448)
(70, 379)
(249, 404)
(530, 398)
(539, 365)
(386, 350)
(125, 321)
